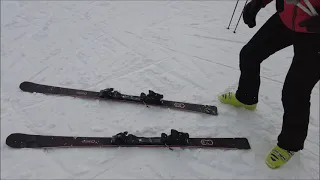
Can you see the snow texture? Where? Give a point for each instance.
(181, 49)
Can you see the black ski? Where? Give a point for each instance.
(123, 139)
(148, 99)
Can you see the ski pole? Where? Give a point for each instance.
(233, 14)
(240, 17)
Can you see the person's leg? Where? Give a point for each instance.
(270, 38)
(302, 76)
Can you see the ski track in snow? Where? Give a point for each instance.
(180, 49)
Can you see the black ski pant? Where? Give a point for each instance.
(301, 78)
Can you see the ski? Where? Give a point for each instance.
(123, 139)
(110, 94)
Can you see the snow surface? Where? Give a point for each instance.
(181, 49)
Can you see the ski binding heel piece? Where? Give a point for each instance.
(151, 98)
(175, 138)
(109, 93)
(124, 138)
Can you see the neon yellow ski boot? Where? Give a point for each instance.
(230, 98)
(278, 157)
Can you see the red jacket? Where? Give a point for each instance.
(293, 15)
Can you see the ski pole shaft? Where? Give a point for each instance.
(233, 14)
(240, 17)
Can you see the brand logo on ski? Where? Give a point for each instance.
(179, 105)
(89, 141)
(81, 93)
(207, 142)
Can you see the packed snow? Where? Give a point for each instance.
(181, 49)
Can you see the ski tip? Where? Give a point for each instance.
(13, 140)
(24, 85)
(17, 140)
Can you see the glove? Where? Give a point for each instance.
(250, 12)
(312, 24)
